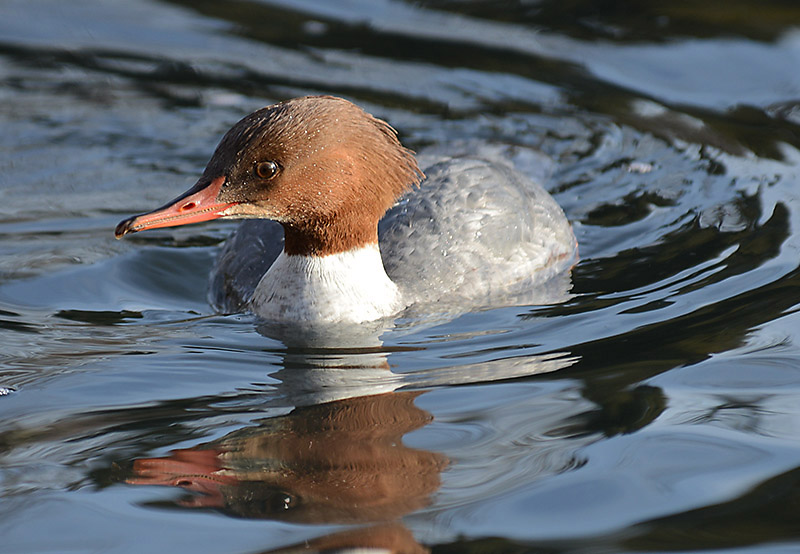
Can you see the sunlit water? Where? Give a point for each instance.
(657, 410)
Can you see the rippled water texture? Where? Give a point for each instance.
(657, 410)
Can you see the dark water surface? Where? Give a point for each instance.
(658, 410)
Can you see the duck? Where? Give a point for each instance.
(342, 224)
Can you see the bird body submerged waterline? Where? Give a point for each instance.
(339, 230)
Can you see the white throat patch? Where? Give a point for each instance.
(349, 286)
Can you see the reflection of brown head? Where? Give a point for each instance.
(384, 537)
(343, 461)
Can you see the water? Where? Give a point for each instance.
(657, 410)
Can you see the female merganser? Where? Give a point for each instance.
(477, 233)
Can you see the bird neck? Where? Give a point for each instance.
(350, 286)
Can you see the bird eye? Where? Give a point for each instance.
(267, 170)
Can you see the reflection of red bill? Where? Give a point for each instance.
(194, 470)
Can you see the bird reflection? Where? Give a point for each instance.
(338, 456)
(338, 462)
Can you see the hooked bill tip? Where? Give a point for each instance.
(123, 228)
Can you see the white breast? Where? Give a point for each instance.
(349, 287)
